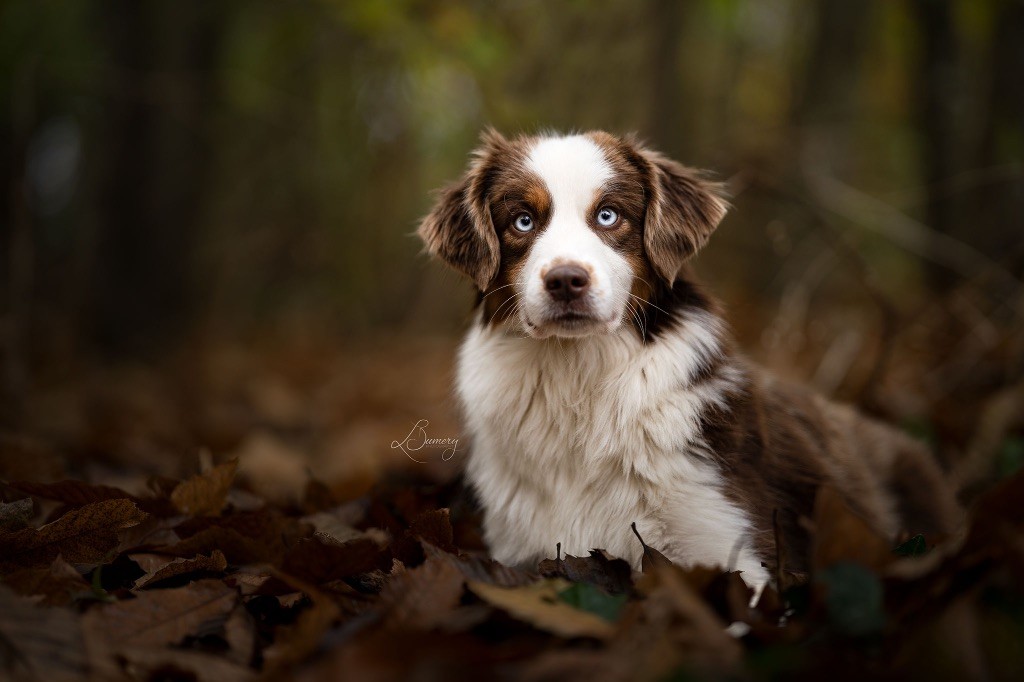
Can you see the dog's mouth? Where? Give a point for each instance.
(565, 323)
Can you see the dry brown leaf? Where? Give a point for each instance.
(298, 641)
(70, 492)
(57, 584)
(251, 537)
(159, 567)
(15, 515)
(674, 607)
(433, 527)
(151, 663)
(422, 598)
(600, 568)
(159, 617)
(316, 561)
(337, 523)
(39, 643)
(483, 569)
(382, 655)
(651, 558)
(538, 605)
(84, 535)
(205, 494)
(240, 635)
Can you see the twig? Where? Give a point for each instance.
(916, 237)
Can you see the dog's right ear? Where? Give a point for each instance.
(459, 229)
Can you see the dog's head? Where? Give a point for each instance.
(571, 236)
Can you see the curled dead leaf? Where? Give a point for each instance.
(159, 568)
(205, 494)
(651, 557)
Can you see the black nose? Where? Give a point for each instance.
(567, 282)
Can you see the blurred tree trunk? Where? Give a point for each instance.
(666, 124)
(16, 244)
(940, 95)
(151, 187)
(827, 105)
(1003, 140)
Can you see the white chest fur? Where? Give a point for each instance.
(575, 439)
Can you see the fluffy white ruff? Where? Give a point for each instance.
(575, 439)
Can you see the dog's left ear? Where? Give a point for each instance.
(683, 210)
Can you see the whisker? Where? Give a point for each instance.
(511, 298)
(494, 290)
(645, 301)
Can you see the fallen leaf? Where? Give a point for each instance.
(434, 527)
(588, 597)
(381, 655)
(39, 643)
(58, 584)
(15, 515)
(423, 597)
(316, 561)
(651, 557)
(237, 548)
(539, 605)
(915, 546)
(482, 568)
(261, 536)
(159, 568)
(160, 617)
(240, 636)
(296, 642)
(72, 493)
(84, 535)
(600, 568)
(151, 663)
(695, 632)
(205, 494)
(337, 523)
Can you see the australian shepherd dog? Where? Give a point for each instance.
(600, 386)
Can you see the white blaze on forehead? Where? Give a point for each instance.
(573, 168)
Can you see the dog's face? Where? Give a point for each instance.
(571, 236)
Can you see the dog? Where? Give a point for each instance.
(600, 386)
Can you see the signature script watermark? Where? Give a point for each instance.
(417, 440)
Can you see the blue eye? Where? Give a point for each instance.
(606, 217)
(523, 223)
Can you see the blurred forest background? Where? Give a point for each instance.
(207, 211)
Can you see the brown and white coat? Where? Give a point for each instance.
(600, 386)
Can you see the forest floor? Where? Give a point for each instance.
(245, 514)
